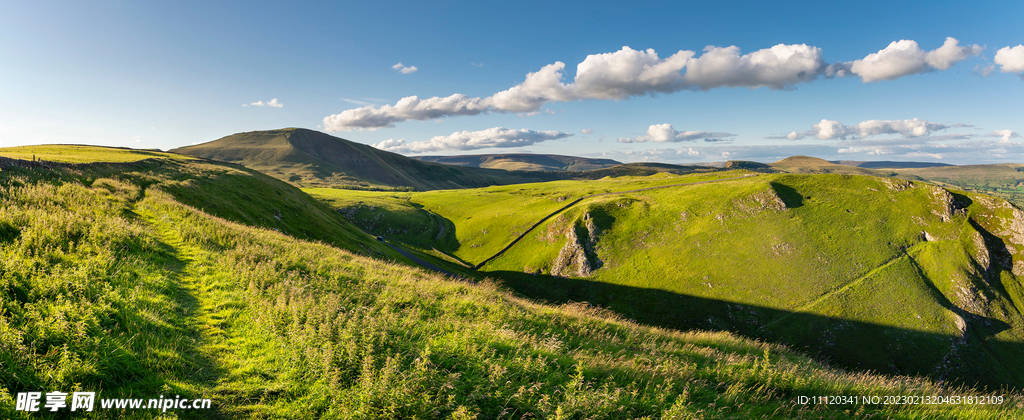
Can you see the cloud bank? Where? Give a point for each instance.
(630, 73)
(835, 130)
(665, 133)
(471, 140)
(952, 148)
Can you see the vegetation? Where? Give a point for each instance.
(309, 158)
(869, 273)
(64, 153)
(1002, 180)
(125, 280)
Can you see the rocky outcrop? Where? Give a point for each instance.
(577, 258)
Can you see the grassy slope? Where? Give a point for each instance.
(845, 263)
(65, 153)
(110, 283)
(824, 262)
(483, 220)
(1003, 180)
(813, 165)
(314, 159)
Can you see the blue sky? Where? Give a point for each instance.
(169, 74)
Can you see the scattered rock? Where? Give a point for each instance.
(897, 184)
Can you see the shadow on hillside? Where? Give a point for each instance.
(790, 197)
(977, 359)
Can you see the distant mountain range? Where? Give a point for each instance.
(523, 162)
(310, 158)
(307, 158)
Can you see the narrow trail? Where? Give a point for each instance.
(576, 201)
(197, 307)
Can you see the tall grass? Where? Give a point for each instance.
(113, 285)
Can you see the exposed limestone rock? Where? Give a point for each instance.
(577, 257)
(897, 184)
(980, 250)
(1014, 227)
(948, 205)
(764, 200)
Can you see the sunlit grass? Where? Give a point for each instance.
(110, 283)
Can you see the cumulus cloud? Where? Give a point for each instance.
(777, 67)
(409, 108)
(404, 69)
(835, 130)
(904, 57)
(665, 133)
(1004, 135)
(470, 140)
(1010, 60)
(587, 131)
(273, 103)
(617, 75)
(630, 73)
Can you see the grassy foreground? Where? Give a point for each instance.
(109, 282)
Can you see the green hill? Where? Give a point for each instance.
(1005, 180)
(870, 273)
(196, 279)
(313, 159)
(523, 162)
(813, 165)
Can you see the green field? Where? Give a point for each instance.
(69, 153)
(824, 262)
(1002, 180)
(207, 281)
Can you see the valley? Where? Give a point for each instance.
(692, 291)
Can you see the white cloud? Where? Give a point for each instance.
(629, 73)
(835, 130)
(470, 140)
(371, 117)
(404, 69)
(477, 64)
(587, 131)
(1010, 60)
(626, 73)
(1005, 135)
(665, 133)
(273, 103)
(905, 57)
(777, 67)
(952, 148)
